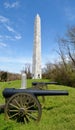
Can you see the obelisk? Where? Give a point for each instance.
(36, 63)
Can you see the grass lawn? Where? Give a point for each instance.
(58, 112)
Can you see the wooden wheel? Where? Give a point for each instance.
(23, 107)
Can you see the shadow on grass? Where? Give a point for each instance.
(49, 108)
(2, 108)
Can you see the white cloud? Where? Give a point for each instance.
(11, 5)
(11, 38)
(6, 23)
(5, 37)
(10, 29)
(3, 44)
(18, 37)
(3, 19)
(19, 60)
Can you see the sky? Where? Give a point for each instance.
(17, 30)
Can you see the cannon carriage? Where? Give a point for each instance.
(23, 105)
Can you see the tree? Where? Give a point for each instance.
(28, 70)
(63, 72)
(67, 46)
(67, 53)
(4, 76)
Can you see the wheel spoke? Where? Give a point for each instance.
(13, 115)
(31, 116)
(25, 120)
(17, 103)
(29, 119)
(32, 111)
(31, 106)
(13, 110)
(21, 103)
(14, 106)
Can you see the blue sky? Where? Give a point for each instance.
(17, 30)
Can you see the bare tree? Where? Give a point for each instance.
(28, 70)
(67, 46)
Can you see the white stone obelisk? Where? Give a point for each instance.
(36, 63)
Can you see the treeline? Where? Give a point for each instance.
(63, 72)
(6, 76)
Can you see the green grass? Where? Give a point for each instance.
(58, 112)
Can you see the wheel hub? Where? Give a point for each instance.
(22, 112)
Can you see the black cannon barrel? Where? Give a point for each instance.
(8, 92)
(43, 83)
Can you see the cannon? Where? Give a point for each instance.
(41, 85)
(23, 105)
